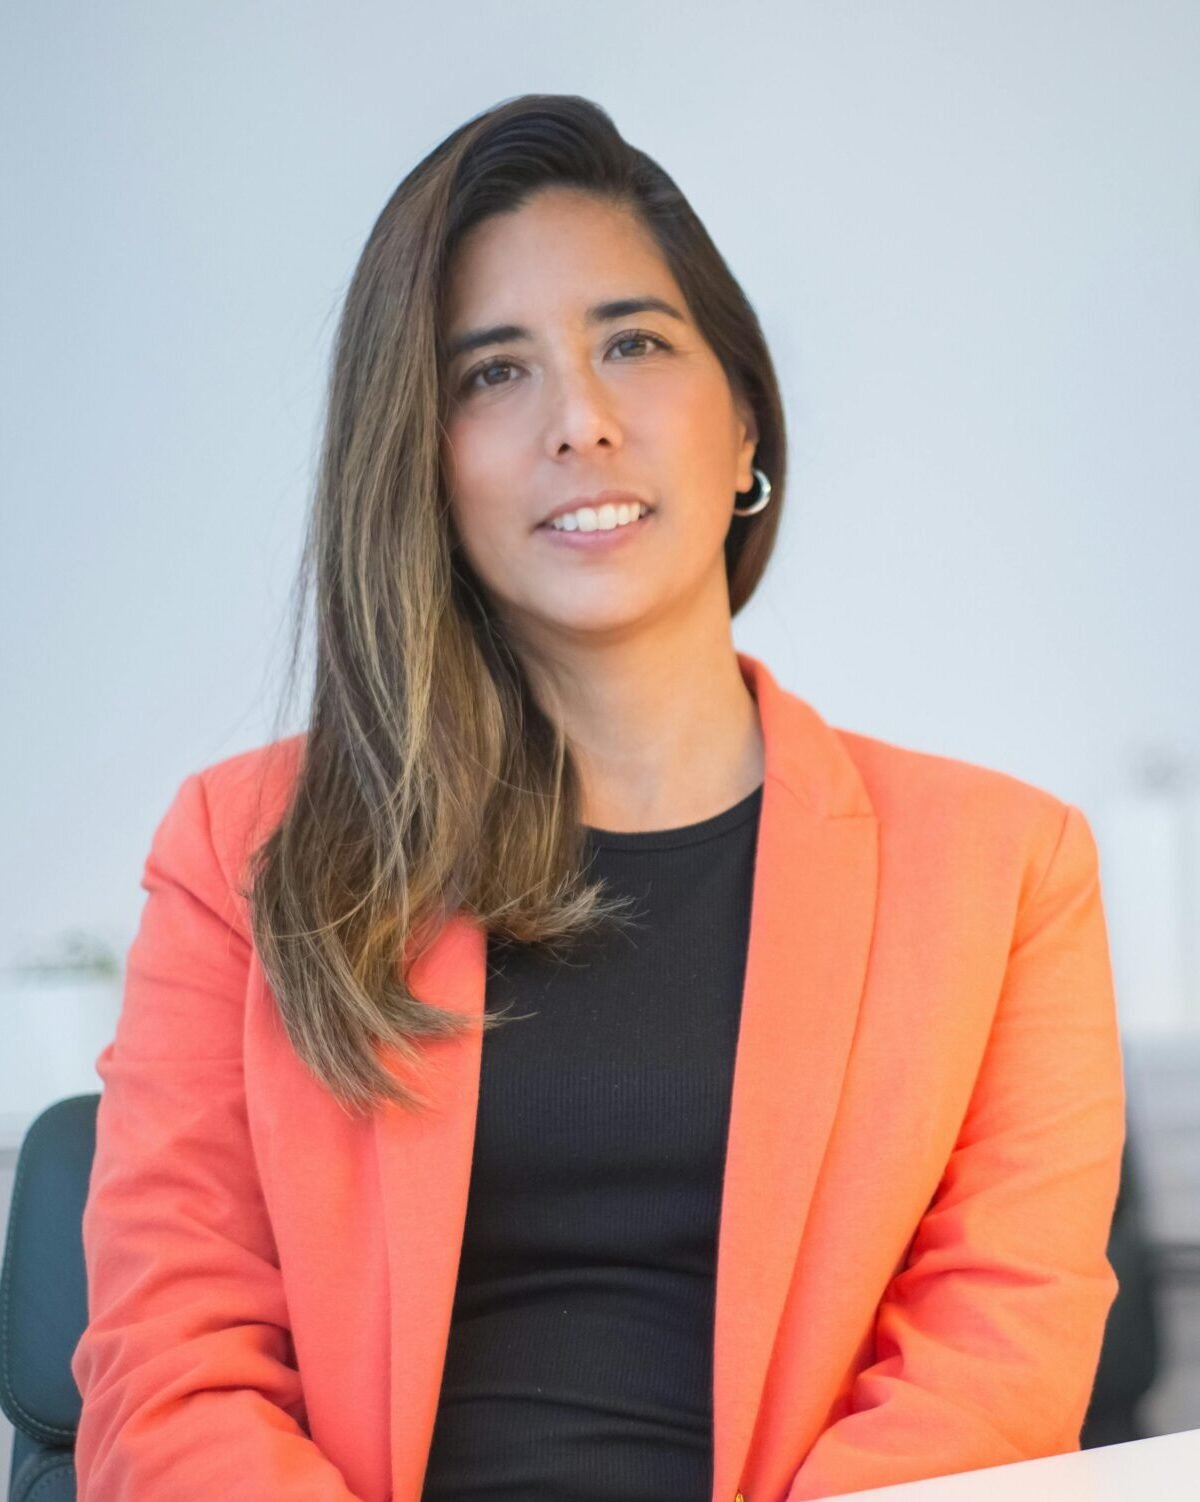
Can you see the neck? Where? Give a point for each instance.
(662, 735)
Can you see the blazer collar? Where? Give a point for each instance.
(812, 916)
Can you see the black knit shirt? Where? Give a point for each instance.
(579, 1363)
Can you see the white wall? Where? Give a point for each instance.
(971, 232)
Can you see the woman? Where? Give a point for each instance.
(787, 1166)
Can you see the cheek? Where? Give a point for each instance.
(478, 456)
(478, 526)
(702, 461)
(692, 422)
(470, 482)
(481, 498)
(712, 423)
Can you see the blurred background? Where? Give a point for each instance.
(972, 235)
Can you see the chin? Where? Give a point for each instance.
(598, 621)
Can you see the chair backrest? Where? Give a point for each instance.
(1131, 1356)
(43, 1298)
(43, 1306)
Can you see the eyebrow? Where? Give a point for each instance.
(604, 312)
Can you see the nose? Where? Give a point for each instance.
(580, 410)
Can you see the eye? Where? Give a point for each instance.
(637, 337)
(468, 381)
(468, 384)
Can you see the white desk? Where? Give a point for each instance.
(1147, 1470)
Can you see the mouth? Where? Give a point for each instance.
(601, 539)
(548, 525)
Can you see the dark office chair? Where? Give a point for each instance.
(43, 1306)
(1131, 1356)
(43, 1298)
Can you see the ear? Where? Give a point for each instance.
(749, 426)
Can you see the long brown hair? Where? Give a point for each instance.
(429, 779)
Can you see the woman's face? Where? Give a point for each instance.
(584, 399)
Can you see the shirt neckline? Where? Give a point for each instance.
(684, 834)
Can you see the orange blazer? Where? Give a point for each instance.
(923, 1157)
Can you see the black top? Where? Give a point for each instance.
(579, 1363)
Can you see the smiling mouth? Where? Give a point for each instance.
(577, 531)
(601, 542)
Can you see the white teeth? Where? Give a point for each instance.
(599, 519)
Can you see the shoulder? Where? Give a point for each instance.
(247, 794)
(962, 815)
(895, 775)
(929, 806)
(222, 812)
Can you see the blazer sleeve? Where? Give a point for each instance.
(185, 1366)
(988, 1339)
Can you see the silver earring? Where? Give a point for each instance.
(764, 488)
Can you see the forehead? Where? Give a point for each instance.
(560, 250)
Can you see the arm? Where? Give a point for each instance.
(989, 1338)
(185, 1369)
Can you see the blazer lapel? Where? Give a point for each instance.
(425, 1175)
(811, 923)
(812, 918)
